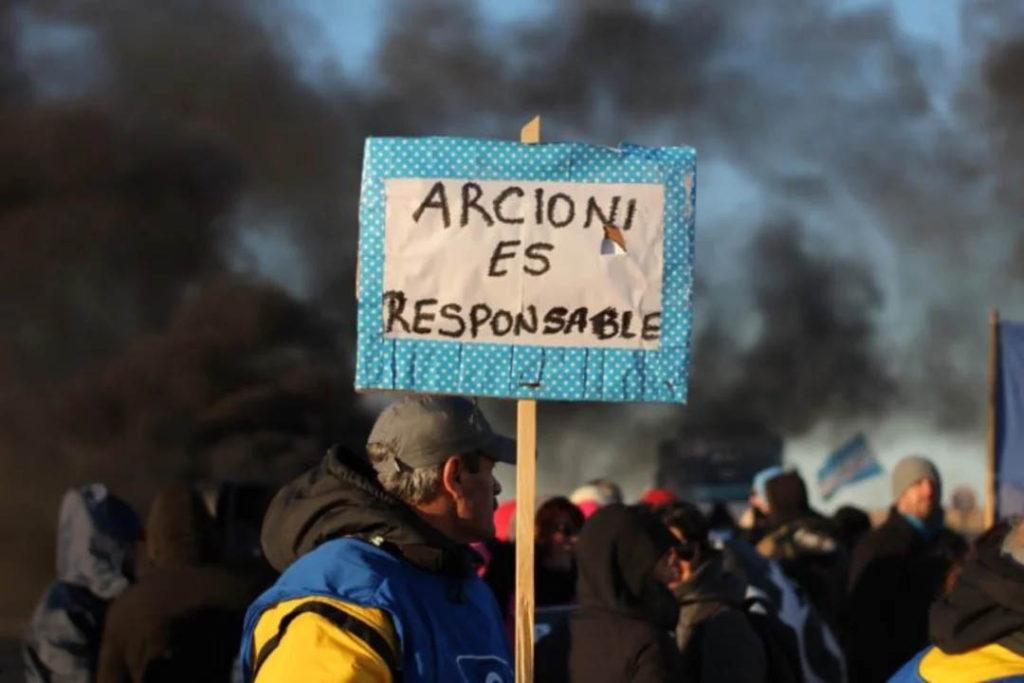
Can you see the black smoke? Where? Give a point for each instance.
(137, 345)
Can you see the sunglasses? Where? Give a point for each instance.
(686, 550)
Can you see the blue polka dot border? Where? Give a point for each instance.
(514, 371)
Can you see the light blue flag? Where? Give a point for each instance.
(852, 462)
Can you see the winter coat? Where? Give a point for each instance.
(716, 639)
(622, 629)
(821, 657)
(978, 629)
(369, 591)
(96, 539)
(895, 575)
(181, 621)
(806, 545)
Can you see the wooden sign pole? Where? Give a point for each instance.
(526, 502)
(993, 397)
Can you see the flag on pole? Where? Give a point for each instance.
(1010, 420)
(852, 462)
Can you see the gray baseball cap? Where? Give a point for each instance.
(425, 430)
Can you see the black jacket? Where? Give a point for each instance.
(181, 621)
(985, 606)
(806, 545)
(716, 639)
(895, 575)
(622, 630)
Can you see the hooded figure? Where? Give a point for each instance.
(182, 620)
(96, 538)
(978, 628)
(622, 630)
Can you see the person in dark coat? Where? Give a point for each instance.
(97, 533)
(898, 569)
(977, 630)
(558, 525)
(806, 544)
(622, 631)
(182, 620)
(716, 640)
(852, 524)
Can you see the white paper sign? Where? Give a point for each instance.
(530, 263)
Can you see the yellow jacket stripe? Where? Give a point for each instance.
(988, 663)
(314, 649)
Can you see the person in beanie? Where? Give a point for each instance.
(977, 630)
(896, 572)
(621, 632)
(378, 581)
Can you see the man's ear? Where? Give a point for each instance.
(451, 476)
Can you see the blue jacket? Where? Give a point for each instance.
(449, 629)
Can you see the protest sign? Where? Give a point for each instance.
(545, 271)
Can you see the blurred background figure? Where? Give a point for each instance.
(182, 620)
(851, 524)
(654, 498)
(596, 494)
(805, 544)
(754, 519)
(96, 537)
(505, 521)
(558, 525)
(897, 570)
(716, 640)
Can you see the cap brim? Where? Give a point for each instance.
(501, 449)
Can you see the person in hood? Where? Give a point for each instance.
(96, 538)
(181, 621)
(716, 640)
(806, 545)
(977, 630)
(898, 569)
(378, 581)
(621, 632)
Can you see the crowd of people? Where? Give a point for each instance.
(396, 563)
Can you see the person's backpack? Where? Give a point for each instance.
(782, 652)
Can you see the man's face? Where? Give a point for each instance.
(920, 499)
(476, 502)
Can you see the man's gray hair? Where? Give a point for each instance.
(412, 485)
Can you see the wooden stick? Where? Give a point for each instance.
(526, 501)
(991, 492)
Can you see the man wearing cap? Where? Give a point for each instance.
(897, 571)
(378, 582)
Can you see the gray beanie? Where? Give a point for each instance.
(911, 470)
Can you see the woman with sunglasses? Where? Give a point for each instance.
(716, 639)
